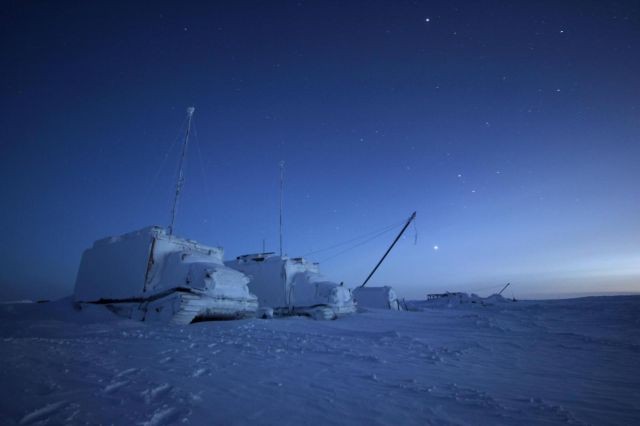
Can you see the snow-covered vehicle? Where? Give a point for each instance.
(153, 276)
(293, 286)
(377, 297)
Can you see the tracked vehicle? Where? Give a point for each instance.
(293, 286)
(153, 276)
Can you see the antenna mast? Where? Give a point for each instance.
(180, 181)
(281, 196)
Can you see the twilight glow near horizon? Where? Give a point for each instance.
(512, 128)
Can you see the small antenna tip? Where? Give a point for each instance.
(190, 110)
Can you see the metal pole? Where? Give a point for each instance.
(287, 294)
(504, 288)
(281, 197)
(406, 225)
(180, 181)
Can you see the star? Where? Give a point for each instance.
(427, 20)
(436, 248)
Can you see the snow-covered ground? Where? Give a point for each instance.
(568, 361)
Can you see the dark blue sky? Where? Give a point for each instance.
(512, 128)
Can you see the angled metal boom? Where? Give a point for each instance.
(404, 228)
(504, 288)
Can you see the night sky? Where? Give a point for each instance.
(513, 128)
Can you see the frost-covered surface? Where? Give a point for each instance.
(570, 361)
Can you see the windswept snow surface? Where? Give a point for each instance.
(451, 362)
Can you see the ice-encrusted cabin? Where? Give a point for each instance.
(151, 275)
(377, 297)
(293, 286)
